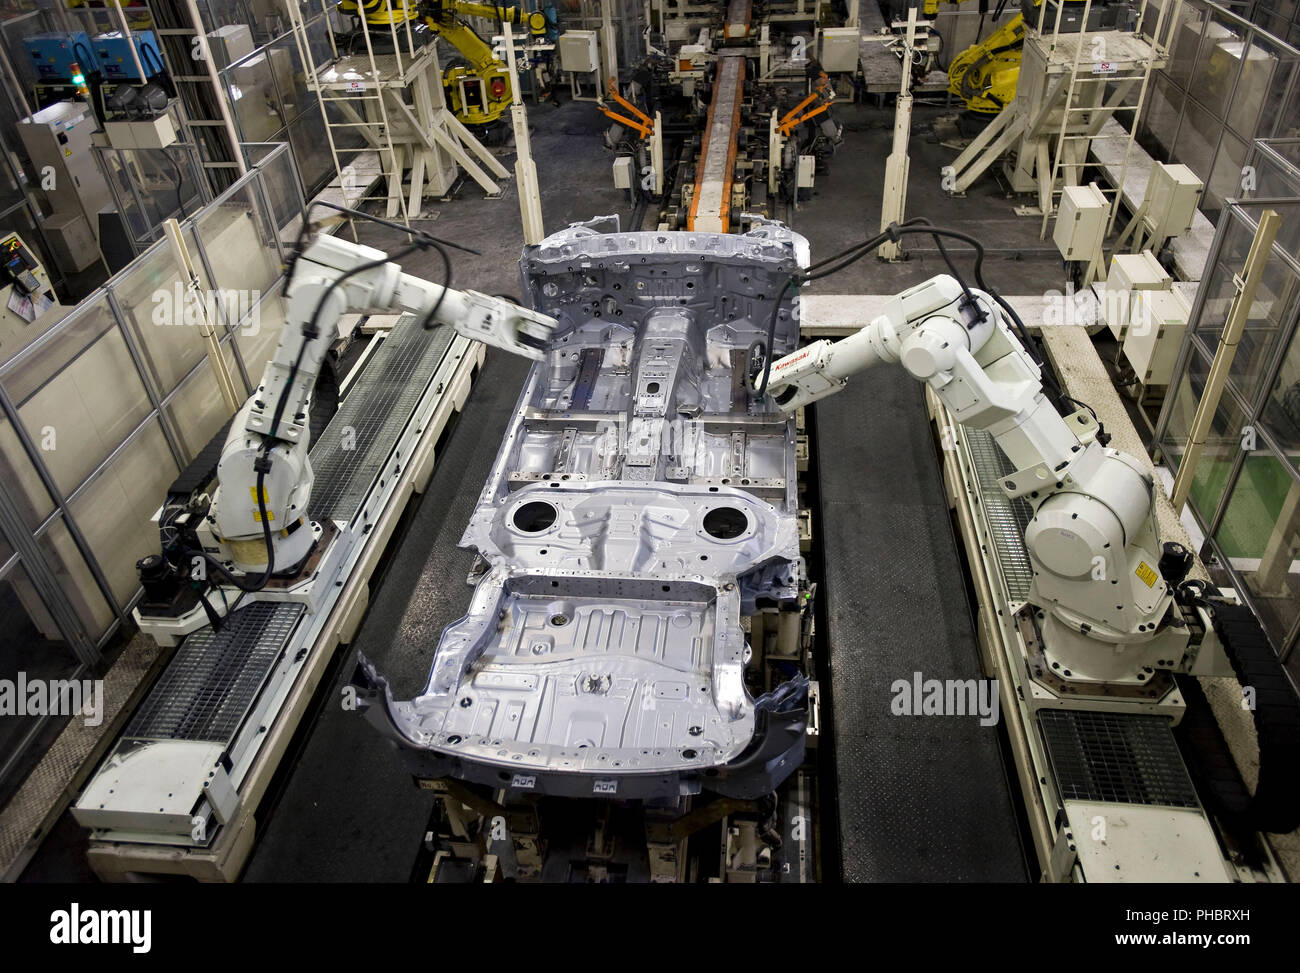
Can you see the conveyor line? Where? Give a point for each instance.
(919, 798)
(711, 202)
(740, 15)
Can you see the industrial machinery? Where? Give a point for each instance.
(266, 549)
(73, 65)
(737, 133)
(1100, 576)
(255, 526)
(984, 76)
(640, 516)
(479, 91)
(28, 305)
(58, 140)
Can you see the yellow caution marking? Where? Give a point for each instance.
(1145, 574)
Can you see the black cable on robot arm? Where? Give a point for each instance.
(850, 255)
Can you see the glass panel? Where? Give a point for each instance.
(290, 78)
(1274, 301)
(1186, 44)
(1163, 112)
(1217, 67)
(21, 479)
(75, 580)
(114, 511)
(1265, 81)
(281, 184)
(84, 412)
(197, 410)
(1197, 137)
(1281, 415)
(1259, 537)
(1222, 444)
(259, 334)
(312, 152)
(153, 303)
(30, 644)
(254, 97)
(1225, 181)
(240, 248)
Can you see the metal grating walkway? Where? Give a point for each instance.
(1116, 758)
(355, 445)
(1006, 518)
(215, 676)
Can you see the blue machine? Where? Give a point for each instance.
(53, 55)
(113, 52)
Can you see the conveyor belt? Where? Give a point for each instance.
(357, 441)
(711, 202)
(919, 798)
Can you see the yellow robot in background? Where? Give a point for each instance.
(479, 90)
(984, 75)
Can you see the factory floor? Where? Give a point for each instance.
(343, 808)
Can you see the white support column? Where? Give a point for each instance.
(530, 198)
(896, 166)
(608, 44)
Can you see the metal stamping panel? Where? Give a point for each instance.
(358, 440)
(1116, 758)
(215, 677)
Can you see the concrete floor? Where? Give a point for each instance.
(344, 808)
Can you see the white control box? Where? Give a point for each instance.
(1080, 222)
(1173, 195)
(579, 52)
(623, 172)
(229, 44)
(1156, 328)
(840, 49)
(1129, 273)
(806, 172)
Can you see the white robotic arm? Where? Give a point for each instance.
(1092, 541)
(264, 469)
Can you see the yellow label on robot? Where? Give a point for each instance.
(264, 499)
(1145, 574)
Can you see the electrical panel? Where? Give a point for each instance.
(1129, 273)
(1080, 222)
(229, 44)
(623, 172)
(840, 49)
(117, 63)
(1157, 326)
(53, 55)
(578, 51)
(1172, 197)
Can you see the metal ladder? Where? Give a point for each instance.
(1086, 107)
(352, 104)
